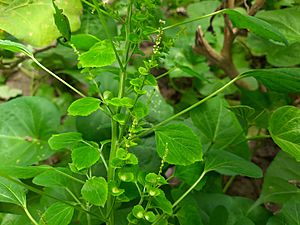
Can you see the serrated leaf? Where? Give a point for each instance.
(84, 155)
(26, 123)
(99, 55)
(95, 191)
(177, 144)
(11, 192)
(229, 164)
(57, 214)
(64, 140)
(84, 106)
(286, 80)
(285, 130)
(62, 22)
(255, 25)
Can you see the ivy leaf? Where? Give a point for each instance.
(101, 54)
(84, 155)
(11, 192)
(62, 22)
(286, 80)
(285, 131)
(84, 106)
(229, 164)
(64, 140)
(177, 144)
(58, 214)
(255, 25)
(95, 191)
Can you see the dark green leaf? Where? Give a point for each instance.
(64, 140)
(160, 201)
(229, 164)
(95, 191)
(177, 144)
(62, 22)
(58, 214)
(84, 155)
(285, 131)
(84, 106)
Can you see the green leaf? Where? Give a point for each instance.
(15, 47)
(95, 191)
(58, 214)
(290, 212)
(189, 214)
(84, 106)
(99, 55)
(255, 25)
(84, 155)
(7, 92)
(23, 172)
(62, 22)
(121, 102)
(285, 131)
(177, 144)
(11, 192)
(160, 201)
(83, 41)
(219, 128)
(286, 80)
(26, 123)
(229, 164)
(64, 140)
(32, 21)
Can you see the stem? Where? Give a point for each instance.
(166, 73)
(228, 183)
(57, 77)
(29, 215)
(189, 108)
(258, 137)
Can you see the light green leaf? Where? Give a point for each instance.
(23, 172)
(57, 214)
(95, 191)
(101, 54)
(285, 130)
(177, 144)
(11, 192)
(33, 21)
(83, 41)
(62, 22)
(15, 47)
(286, 80)
(64, 140)
(120, 102)
(229, 164)
(219, 128)
(7, 92)
(255, 25)
(84, 155)
(26, 123)
(84, 106)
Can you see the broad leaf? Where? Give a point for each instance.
(285, 130)
(25, 126)
(95, 191)
(219, 128)
(11, 192)
(286, 80)
(84, 106)
(255, 25)
(57, 214)
(177, 144)
(23, 172)
(33, 22)
(100, 54)
(64, 140)
(229, 164)
(84, 155)
(290, 212)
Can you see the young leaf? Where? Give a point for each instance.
(24, 133)
(255, 25)
(64, 140)
(95, 191)
(11, 192)
(229, 164)
(101, 54)
(177, 144)
(84, 106)
(84, 156)
(286, 80)
(285, 131)
(15, 47)
(62, 22)
(58, 214)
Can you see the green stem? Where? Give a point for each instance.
(29, 215)
(189, 108)
(166, 73)
(228, 184)
(57, 77)
(258, 137)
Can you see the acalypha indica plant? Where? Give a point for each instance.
(122, 154)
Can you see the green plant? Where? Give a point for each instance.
(113, 167)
